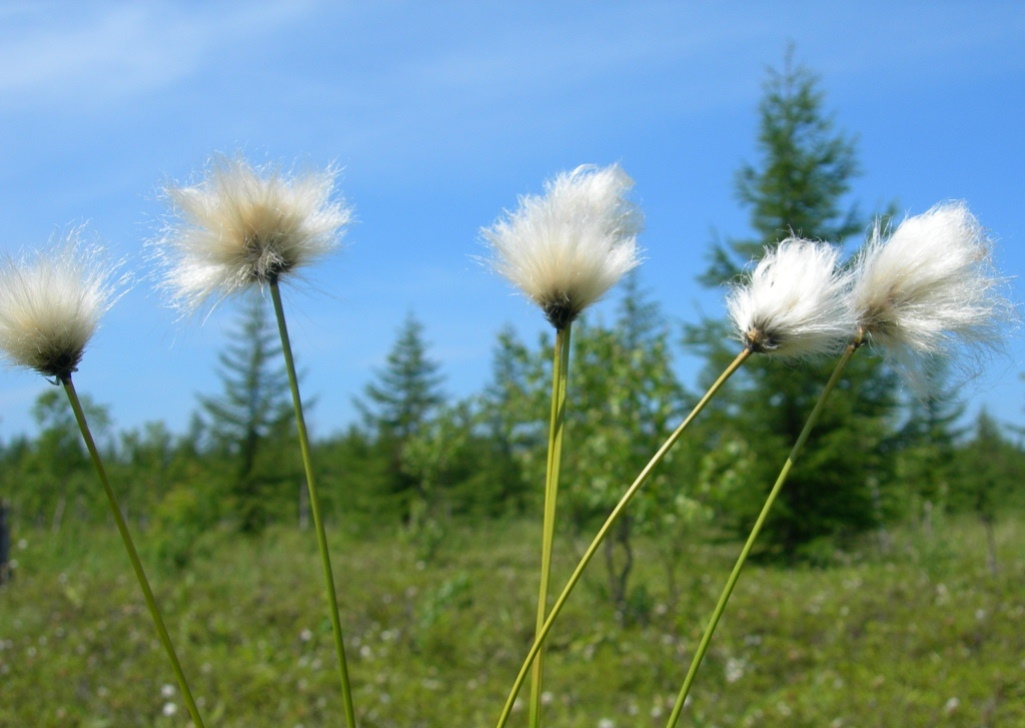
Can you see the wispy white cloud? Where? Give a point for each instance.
(683, 56)
(57, 52)
(453, 81)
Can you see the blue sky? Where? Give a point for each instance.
(440, 114)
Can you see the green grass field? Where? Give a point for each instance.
(923, 635)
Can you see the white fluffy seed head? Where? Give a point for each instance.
(565, 249)
(51, 302)
(930, 289)
(245, 226)
(795, 303)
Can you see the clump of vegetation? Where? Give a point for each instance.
(921, 635)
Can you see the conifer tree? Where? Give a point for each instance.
(402, 400)
(407, 390)
(799, 186)
(248, 420)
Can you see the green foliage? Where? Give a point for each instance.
(989, 469)
(164, 483)
(248, 423)
(798, 187)
(924, 637)
(407, 391)
(510, 412)
(515, 414)
(396, 407)
(457, 468)
(927, 443)
(353, 476)
(624, 400)
(50, 478)
(987, 480)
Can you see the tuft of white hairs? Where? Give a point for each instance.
(244, 226)
(795, 303)
(564, 250)
(929, 290)
(51, 302)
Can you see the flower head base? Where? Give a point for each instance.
(243, 226)
(929, 287)
(566, 249)
(795, 303)
(51, 304)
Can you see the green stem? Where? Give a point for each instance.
(133, 555)
(735, 574)
(318, 523)
(560, 376)
(657, 458)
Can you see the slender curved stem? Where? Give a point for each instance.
(318, 523)
(657, 458)
(133, 555)
(560, 377)
(706, 638)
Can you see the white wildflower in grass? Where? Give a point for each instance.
(925, 290)
(929, 288)
(794, 303)
(245, 226)
(50, 305)
(51, 302)
(565, 249)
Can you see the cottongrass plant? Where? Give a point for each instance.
(929, 291)
(50, 306)
(793, 305)
(795, 302)
(245, 227)
(564, 250)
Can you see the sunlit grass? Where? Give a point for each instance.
(921, 636)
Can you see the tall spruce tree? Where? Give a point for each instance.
(250, 418)
(799, 186)
(402, 400)
(407, 390)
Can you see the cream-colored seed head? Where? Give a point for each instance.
(243, 226)
(929, 289)
(51, 303)
(566, 249)
(794, 304)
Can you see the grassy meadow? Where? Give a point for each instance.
(921, 634)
